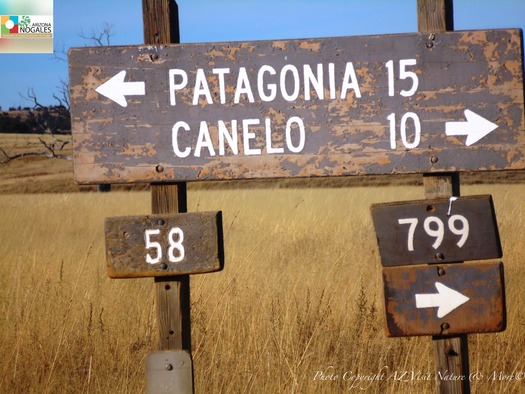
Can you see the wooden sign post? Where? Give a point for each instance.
(452, 352)
(444, 298)
(161, 26)
(166, 247)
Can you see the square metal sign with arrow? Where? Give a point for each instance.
(444, 299)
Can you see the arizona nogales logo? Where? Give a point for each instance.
(26, 26)
(30, 32)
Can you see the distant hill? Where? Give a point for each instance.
(54, 119)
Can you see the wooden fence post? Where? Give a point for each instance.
(172, 294)
(451, 353)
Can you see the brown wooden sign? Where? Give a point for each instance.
(164, 245)
(432, 231)
(408, 103)
(444, 300)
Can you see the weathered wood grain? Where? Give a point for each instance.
(127, 248)
(477, 70)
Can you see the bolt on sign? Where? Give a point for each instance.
(444, 299)
(436, 231)
(164, 245)
(390, 104)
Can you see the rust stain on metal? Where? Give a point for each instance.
(298, 108)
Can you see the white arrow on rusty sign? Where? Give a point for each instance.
(475, 128)
(116, 89)
(446, 300)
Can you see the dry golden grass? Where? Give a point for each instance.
(300, 294)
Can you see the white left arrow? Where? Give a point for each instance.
(446, 300)
(475, 128)
(116, 89)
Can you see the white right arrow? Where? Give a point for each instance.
(446, 300)
(475, 128)
(116, 89)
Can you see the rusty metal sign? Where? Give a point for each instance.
(436, 231)
(392, 104)
(164, 245)
(445, 299)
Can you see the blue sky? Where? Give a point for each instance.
(231, 20)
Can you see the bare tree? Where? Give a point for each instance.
(52, 150)
(63, 94)
(48, 123)
(99, 38)
(52, 124)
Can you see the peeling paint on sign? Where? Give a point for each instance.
(343, 106)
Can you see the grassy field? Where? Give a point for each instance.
(300, 297)
(297, 309)
(38, 173)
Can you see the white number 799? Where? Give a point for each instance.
(435, 228)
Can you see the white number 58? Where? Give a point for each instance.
(176, 251)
